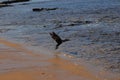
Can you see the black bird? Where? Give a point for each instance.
(57, 39)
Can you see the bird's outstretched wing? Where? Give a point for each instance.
(58, 40)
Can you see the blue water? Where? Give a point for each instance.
(80, 4)
(86, 4)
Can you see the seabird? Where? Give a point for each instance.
(58, 40)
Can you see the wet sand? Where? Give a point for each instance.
(19, 63)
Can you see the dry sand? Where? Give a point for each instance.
(19, 63)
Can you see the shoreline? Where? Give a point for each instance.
(93, 33)
(42, 66)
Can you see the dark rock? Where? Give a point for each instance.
(83, 22)
(47, 9)
(13, 1)
(38, 9)
(43, 9)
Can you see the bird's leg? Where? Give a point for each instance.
(57, 46)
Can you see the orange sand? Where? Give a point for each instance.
(19, 63)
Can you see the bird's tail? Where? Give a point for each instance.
(65, 40)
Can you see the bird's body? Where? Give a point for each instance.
(58, 40)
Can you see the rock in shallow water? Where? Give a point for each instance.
(43, 9)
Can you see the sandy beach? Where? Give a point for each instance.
(27, 51)
(19, 63)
